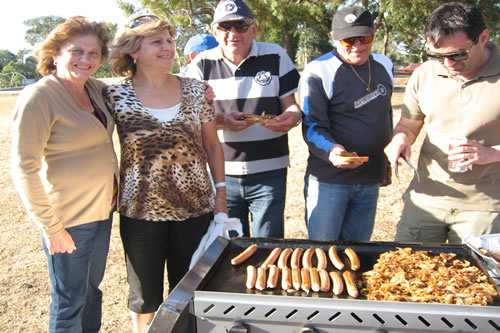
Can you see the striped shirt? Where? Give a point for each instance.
(254, 86)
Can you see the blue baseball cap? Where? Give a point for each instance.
(200, 42)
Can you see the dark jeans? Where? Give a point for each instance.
(263, 195)
(76, 298)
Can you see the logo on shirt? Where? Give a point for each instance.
(263, 78)
(380, 91)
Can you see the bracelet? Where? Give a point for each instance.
(221, 184)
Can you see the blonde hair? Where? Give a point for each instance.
(64, 32)
(129, 40)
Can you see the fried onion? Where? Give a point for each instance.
(418, 276)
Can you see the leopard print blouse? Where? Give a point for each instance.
(163, 168)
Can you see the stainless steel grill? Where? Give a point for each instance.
(212, 298)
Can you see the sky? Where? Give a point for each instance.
(14, 12)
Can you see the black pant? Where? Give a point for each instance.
(147, 246)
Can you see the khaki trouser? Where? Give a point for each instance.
(437, 224)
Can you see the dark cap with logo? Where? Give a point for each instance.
(231, 10)
(352, 22)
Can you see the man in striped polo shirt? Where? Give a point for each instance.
(250, 77)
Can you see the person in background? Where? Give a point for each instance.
(250, 77)
(453, 94)
(167, 134)
(346, 99)
(195, 45)
(64, 168)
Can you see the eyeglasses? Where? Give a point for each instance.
(139, 20)
(453, 56)
(240, 26)
(347, 42)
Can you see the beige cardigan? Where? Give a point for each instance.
(63, 160)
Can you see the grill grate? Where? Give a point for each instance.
(218, 312)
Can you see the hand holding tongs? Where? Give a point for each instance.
(409, 164)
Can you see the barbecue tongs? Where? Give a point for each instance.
(409, 164)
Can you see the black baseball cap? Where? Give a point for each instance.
(231, 10)
(352, 22)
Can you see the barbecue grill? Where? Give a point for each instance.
(212, 297)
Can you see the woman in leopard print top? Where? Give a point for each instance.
(167, 135)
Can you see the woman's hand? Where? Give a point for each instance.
(209, 94)
(62, 242)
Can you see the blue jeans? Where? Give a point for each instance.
(340, 212)
(75, 278)
(263, 196)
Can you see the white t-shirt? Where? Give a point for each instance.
(165, 115)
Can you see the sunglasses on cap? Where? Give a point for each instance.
(346, 42)
(453, 56)
(139, 20)
(240, 26)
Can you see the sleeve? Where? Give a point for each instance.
(411, 107)
(31, 129)
(314, 103)
(194, 71)
(289, 76)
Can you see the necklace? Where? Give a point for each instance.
(368, 88)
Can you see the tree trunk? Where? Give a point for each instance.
(288, 40)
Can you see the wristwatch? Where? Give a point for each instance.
(299, 113)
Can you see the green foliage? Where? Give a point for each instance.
(40, 27)
(5, 57)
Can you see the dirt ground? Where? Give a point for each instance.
(24, 283)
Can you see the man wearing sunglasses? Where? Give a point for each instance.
(250, 77)
(346, 98)
(456, 95)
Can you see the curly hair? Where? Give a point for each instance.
(129, 40)
(64, 32)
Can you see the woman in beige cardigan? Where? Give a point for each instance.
(64, 168)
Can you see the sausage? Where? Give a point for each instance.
(271, 258)
(286, 278)
(353, 258)
(338, 283)
(247, 253)
(307, 258)
(274, 274)
(295, 261)
(321, 256)
(324, 279)
(296, 280)
(251, 276)
(334, 258)
(306, 280)
(352, 290)
(313, 273)
(283, 259)
(261, 279)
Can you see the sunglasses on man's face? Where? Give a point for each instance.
(240, 26)
(347, 42)
(453, 56)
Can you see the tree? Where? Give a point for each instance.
(40, 27)
(5, 57)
